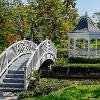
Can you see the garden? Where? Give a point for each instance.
(57, 86)
(69, 78)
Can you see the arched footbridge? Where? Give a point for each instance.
(19, 60)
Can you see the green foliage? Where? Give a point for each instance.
(8, 30)
(48, 85)
(62, 53)
(96, 16)
(81, 65)
(60, 61)
(37, 20)
(98, 24)
(84, 60)
(44, 87)
(88, 92)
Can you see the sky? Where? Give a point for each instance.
(83, 6)
(89, 6)
(24, 1)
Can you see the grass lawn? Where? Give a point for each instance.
(83, 92)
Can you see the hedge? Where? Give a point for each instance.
(84, 60)
(79, 65)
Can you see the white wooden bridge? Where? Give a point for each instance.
(19, 60)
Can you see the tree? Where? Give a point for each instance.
(39, 19)
(52, 18)
(7, 29)
(96, 16)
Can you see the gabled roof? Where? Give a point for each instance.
(85, 25)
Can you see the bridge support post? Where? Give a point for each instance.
(25, 79)
(50, 68)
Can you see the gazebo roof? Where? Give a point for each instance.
(85, 25)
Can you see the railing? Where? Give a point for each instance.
(84, 53)
(15, 50)
(45, 47)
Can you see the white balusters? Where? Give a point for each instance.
(13, 52)
(44, 48)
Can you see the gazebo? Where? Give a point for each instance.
(79, 40)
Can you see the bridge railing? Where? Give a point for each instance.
(44, 47)
(15, 50)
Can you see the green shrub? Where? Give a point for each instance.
(62, 52)
(33, 83)
(60, 61)
(79, 65)
(84, 60)
(26, 94)
(45, 86)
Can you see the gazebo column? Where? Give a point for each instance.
(84, 48)
(96, 46)
(74, 47)
(69, 47)
(88, 47)
(84, 44)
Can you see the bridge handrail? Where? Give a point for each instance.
(13, 51)
(45, 46)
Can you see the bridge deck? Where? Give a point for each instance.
(20, 63)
